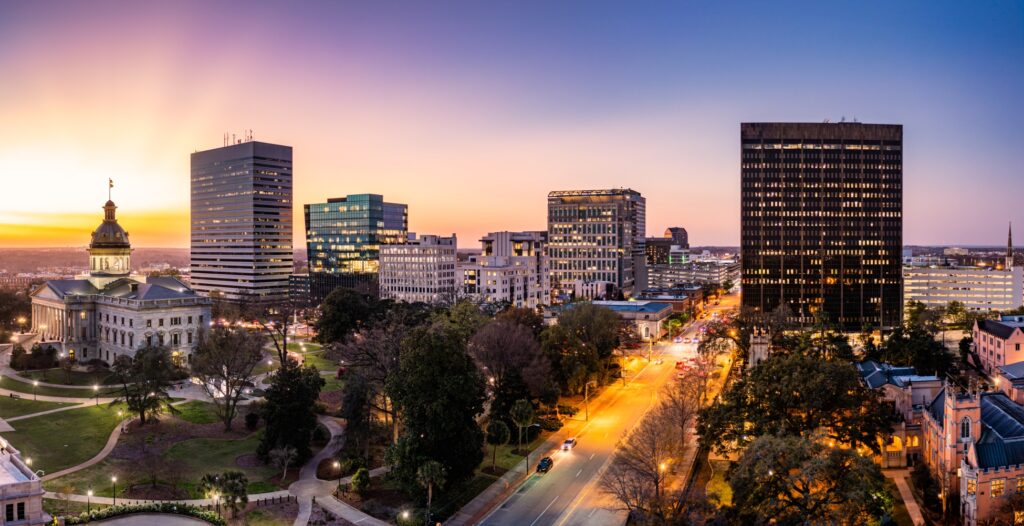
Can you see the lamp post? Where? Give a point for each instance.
(35, 384)
(337, 467)
(21, 324)
(586, 398)
(96, 393)
(113, 487)
(88, 502)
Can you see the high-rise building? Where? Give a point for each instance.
(821, 221)
(420, 270)
(595, 236)
(343, 239)
(242, 221)
(512, 268)
(658, 249)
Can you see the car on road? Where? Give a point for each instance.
(545, 465)
(568, 444)
(686, 340)
(659, 361)
(678, 339)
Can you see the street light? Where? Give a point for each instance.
(88, 501)
(21, 323)
(586, 397)
(113, 487)
(337, 467)
(35, 384)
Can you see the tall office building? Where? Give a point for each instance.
(596, 236)
(242, 221)
(420, 270)
(512, 268)
(821, 221)
(343, 239)
(658, 249)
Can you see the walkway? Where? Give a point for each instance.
(899, 476)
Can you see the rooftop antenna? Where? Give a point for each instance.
(110, 186)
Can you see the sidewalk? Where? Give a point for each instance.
(899, 476)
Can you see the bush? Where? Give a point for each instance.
(321, 435)
(251, 421)
(568, 410)
(320, 408)
(162, 507)
(549, 423)
(922, 479)
(360, 482)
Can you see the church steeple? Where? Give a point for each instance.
(1009, 247)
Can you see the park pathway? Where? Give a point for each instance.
(899, 476)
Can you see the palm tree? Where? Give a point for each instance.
(431, 473)
(522, 416)
(497, 434)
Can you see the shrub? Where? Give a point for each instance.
(549, 423)
(161, 507)
(568, 410)
(360, 482)
(251, 421)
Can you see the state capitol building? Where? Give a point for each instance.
(110, 312)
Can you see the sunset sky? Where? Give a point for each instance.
(471, 112)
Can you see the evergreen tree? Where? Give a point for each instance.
(289, 410)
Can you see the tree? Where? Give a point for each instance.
(344, 311)
(507, 349)
(522, 416)
(224, 363)
(228, 487)
(681, 401)
(430, 474)
(639, 466)
(145, 381)
(728, 285)
(796, 395)
(526, 317)
(360, 482)
(497, 435)
(585, 336)
(956, 314)
(965, 348)
(67, 364)
(439, 392)
(355, 409)
(914, 345)
(798, 480)
(462, 320)
(289, 410)
(282, 457)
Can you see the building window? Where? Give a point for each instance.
(965, 428)
(149, 323)
(1020, 485)
(190, 323)
(190, 338)
(972, 486)
(9, 513)
(21, 511)
(998, 485)
(161, 322)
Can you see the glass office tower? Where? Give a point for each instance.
(343, 239)
(241, 237)
(822, 221)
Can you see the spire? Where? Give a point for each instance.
(1009, 246)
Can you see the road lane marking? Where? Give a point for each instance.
(592, 456)
(578, 473)
(545, 510)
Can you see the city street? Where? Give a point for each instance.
(569, 493)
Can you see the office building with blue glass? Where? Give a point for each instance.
(343, 239)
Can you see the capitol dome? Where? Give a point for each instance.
(109, 234)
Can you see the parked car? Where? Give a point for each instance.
(686, 340)
(545, 465)
(678, 339)
(568, 444)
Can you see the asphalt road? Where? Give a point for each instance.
(569, 493)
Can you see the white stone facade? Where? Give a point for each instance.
(512, 268)
(420, 270)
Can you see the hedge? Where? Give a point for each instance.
(159, 507)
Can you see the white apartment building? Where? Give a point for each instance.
(978, 288)
(713, 271)
(512, 268)
(421, 270)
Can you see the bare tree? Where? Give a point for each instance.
(640, 465)
(224, 364)
(283, 457)
(502, 347)
(681, 401)
(373, 352)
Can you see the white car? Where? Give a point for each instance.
(568, 444)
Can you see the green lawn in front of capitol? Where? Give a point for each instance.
(12, 407)
(57, 375)
(67, 438)
(26, 389)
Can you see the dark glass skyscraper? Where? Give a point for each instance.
(242, 221)
(822, 221)
(343, 239)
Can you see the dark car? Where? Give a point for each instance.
(545, 465)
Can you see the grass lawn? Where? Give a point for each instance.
(332, 383)
(507, 458)
(899, 510)
(64, 439)
(57, 376)
(25, 387)
(199, 456)
(304, 347)
(269, 364)
(11, 407)
(718, 486)
(317, 360)
(191, 459)
(197, 412)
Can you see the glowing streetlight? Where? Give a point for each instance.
(113, 487)
(337, 467)
(35, 384)
(96, 393)
(88, 501)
